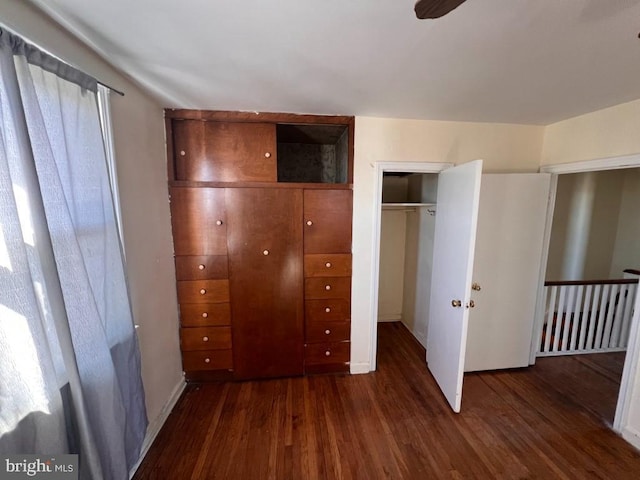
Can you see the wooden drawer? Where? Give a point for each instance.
(327, 221)
(207, 360)
(322, 353)
(198, 218)
(209, 151)
(323, 332)
(327, 265)
(205, 338)
(328, 310)
(202, 267)
(205, 314)
(203, 291)
(327, 287)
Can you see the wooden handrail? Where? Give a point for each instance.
(619, 281)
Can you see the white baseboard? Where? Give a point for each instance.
(358, 368)
(390, 317)
(156, 425)
(632, 436)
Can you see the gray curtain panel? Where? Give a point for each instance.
(69, 359)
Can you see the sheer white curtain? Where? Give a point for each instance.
(69, 359)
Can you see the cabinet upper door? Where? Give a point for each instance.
(198, 217)
(265, 274)
(327, 221)
(224, 151)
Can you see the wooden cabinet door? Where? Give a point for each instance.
(327, 221)
(266, 281)
(224, 151)
(199, 221)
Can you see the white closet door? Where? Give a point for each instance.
(509, 246)
(453, 250)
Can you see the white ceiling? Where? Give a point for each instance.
(512, 61)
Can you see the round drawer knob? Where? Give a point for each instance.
(207, 360)
(328, 264)
(201, 267)
(267, 154)
(327, 287)
(327, 332)
(202, 291)
(205, 314)
(309, 222)
(182, 153)
(205, 339)
(219, 222)
(327, 309)
(327, 353)
(265, 252)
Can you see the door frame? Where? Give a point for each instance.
(379, 169)
(632, 357)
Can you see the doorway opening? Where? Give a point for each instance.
(618, 298)
(591, 284)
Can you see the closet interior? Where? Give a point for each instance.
(406, 249)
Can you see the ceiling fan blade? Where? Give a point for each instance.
(435, 8)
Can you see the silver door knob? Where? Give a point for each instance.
(309, 222)
(205, 339)
(202, 291)
(265, 252)
(267, 155)
(328, 264)
(182, 153)
(219, 222)
(205, 314)
(327, 353)
(201, 267)
(456, 303)
(327, 309)
(327, 287)
(327, 331)
(207, 360)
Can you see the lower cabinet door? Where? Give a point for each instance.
(264, 238)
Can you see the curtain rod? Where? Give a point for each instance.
(115, 90)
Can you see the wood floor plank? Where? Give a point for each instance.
(545, 422)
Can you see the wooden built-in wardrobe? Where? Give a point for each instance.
(261, 209)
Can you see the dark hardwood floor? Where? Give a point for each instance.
(522, 424)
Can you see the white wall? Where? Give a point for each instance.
(392, 257)
(141, 163)
(627, 242)
(602, 225)
(503, 148)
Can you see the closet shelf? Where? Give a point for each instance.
(401, 206)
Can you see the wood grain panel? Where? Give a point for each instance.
(327, 310)
(207, 360)
(205, 314)
(205, 338)
(266, 290)
(327, 217)
(327, 265)
(327, 287)
(225, 151)
(203, 291)
(198, 217)
(316, 353)
(201, 267)
(319, 332)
